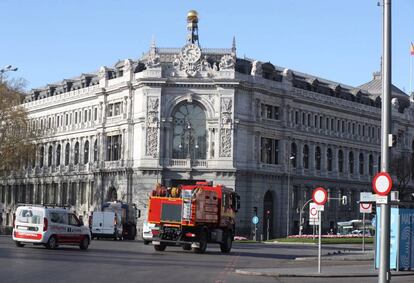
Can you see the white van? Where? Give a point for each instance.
(50, 226)
(106, 224)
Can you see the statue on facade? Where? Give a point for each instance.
(256, 68)
(226, 62)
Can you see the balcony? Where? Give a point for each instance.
(188, 163)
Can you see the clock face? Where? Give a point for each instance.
(191, 53)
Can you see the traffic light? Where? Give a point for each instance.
(344, 200)
(255, 210)
(268, 213)
(392, 140)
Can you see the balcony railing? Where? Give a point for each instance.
(189, 163)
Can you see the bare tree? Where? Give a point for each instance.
(400, 167)
(16, 138)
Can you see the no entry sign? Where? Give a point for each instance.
(382, 184)
(320, 196)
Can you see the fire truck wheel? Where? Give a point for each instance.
(225, 247)
(187, 247)
(203, 243)
(160, 247)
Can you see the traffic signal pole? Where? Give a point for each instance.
(384, 275)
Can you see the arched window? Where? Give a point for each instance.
(306, 156)
(67, 152)
(351, 162)
(49, 156)
(361, 164)
(189, 137)
(76, 156)
(58, 150)
(371, 165)
(42, 156)
(329, 159)
(293, 152)
(86, 153)
(318, 158)
(95, 151)
(340, 161)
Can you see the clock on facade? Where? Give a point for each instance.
(191, 53)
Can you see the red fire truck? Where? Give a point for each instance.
(192, 216)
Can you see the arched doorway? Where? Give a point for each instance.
(112, 194)
(268, 216)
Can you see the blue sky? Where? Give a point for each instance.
(337, 40)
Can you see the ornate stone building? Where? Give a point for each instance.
(178, 115)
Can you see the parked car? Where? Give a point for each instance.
(360, 232)
(147, 232)
(50, 226)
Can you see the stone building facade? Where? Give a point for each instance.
(179, 115)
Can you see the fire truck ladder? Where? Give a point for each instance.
(186, 208)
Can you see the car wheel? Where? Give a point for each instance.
(187, 247)
(146, 242)
(52, 243)
(19, 244)
(160, 247)
(84, 244)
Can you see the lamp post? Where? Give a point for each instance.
(288, 196)
(8, 68)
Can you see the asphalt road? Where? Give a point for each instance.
(132, 261)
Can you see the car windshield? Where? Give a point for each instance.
(30, 216)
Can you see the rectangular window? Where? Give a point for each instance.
(113, 148)
(89, 114)
(269, 151)
(110, 110)
(95, 114)
(270, 111)
(91, 191)
(76, 117)
(117, 109)
(85, 116)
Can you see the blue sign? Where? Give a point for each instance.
(255, 220)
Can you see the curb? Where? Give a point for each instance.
(299, 272)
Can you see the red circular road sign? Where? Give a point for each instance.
(320, 196)
(313, 211)
(366, 205)
(382, 184)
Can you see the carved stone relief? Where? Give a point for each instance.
(227, 62)
(152, 127)
(225, 143)
(226, 130)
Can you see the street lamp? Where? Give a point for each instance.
(288, 196)
(8, 68)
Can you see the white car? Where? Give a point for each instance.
(49, 226)
(147, 230)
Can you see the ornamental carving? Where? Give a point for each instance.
(153, 103)
(225, 143)
(153, 59)
(227, 62)
(152, 142)
(226, 105)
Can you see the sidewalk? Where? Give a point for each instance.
(365, 269)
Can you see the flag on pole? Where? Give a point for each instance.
(412, 48)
